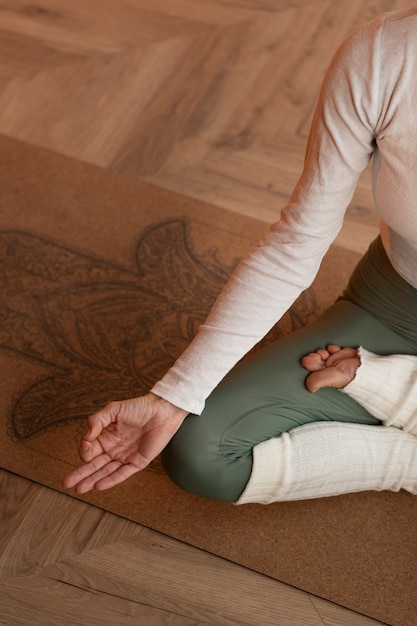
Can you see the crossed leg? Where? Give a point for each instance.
(385, 385)
(263, 411)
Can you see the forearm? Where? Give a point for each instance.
(260, 291)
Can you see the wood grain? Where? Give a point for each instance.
(65, 562)
(213, 100)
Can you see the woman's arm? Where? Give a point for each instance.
(285, 262)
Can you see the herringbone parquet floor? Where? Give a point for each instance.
(212, 99)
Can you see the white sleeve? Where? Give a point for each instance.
(286, 261)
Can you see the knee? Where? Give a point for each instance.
(194, 461)
(188, 462)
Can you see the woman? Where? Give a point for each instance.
(257, 434)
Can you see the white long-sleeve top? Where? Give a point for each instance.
(367, 107)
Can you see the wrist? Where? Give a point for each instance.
(167, 406)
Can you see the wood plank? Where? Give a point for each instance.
(34, 601)
(150, 570)
(39, 526)
(97, 26)
(120, 568)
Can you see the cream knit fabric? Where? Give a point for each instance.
(366, 108)
(387, 387)
(331, 458)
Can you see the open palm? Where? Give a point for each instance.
(122, 439)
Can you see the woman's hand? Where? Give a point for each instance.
(122, 439)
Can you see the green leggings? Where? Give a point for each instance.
(265, 395)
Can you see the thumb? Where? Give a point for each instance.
(99, 422)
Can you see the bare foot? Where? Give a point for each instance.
(331, 367)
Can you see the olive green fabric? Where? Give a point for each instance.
(265, 395)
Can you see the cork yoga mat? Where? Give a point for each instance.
(104, 281)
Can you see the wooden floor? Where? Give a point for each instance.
(212, 99)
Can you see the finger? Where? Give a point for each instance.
(89, 450)
(85, 471)
(92, 481)
(118, 476)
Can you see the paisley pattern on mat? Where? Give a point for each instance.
(105, 331)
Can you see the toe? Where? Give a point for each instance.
(333, 348)
(312, 361)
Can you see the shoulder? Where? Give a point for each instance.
(380, 48)
(401, 21)
(359, 50)
(387, 35)
(399, 34)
